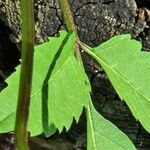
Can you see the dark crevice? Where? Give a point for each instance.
(108, 1)
(9, 53)
(143, 3)
(84, 5)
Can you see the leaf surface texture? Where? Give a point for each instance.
(128, 69)
(59, 89)
(103, 135)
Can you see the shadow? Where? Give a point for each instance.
(46, 90)
(9, 52)
(9, 55)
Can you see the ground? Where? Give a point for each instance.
(96, 21)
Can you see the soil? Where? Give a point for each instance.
(96, 21)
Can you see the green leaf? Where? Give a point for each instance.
(103, 135)
(128, 69)
(59, 89)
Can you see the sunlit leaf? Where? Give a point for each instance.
(128, 69)
(59, 89)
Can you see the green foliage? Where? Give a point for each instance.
(59, 91)
(128, 69)
(103, 135)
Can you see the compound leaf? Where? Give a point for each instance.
(128, 69)
(103, 135)
(59, 89)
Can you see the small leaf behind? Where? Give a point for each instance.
(103, 135)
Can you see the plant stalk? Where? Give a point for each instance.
(67, 15)
(27, 54)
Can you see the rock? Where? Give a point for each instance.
(96, 20)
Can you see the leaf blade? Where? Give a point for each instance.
(104, 134)
(58, 93)
(128, 70)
